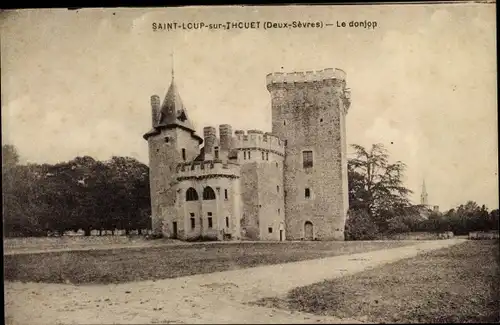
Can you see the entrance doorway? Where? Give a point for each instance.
(174, 226)
(308, 230)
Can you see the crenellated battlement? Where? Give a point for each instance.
(305, 76)
(207, 169)
(258, 139)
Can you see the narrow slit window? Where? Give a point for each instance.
(210, 224)
(307, 193)
(262, 155)
(216, 153)
(227, 222)
(183, 154)
(225, 194)
(193, 223)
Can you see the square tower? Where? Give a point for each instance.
(308, 113)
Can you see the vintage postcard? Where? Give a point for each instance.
(250, 164)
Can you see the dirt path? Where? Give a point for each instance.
(207, 298)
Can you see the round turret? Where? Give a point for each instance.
(258, 140)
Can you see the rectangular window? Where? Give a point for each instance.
(307, 193)
(192, 215)
(244, 155)
(210, 225)
(216, 153)
(262, 155)
(183, 154)
(193, 223)
(225, 194)
(249, 156)
(277, 188)
(279, 210)
(267, 155)
(270, 230)
(307, 159)
(209, 214)
(227, 222)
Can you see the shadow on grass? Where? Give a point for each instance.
(151, 263)
(456, 284)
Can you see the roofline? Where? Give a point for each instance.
(172, 126)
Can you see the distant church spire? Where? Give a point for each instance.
(172, 62)
(424, 195)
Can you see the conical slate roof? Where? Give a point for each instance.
(173, 110)
(173, 113)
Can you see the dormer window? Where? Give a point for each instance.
(181, 115)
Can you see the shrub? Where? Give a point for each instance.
(360, 226)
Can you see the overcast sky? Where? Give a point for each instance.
(423, 82)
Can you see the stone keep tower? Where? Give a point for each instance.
(172, 140)
(308, 113)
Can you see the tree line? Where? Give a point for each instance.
(87, 194)
(82, 193)
(380, 205)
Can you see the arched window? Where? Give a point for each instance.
(208, 193)
(191, 195)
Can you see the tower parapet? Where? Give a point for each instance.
(207, 169)
(278, 78)
(257, 139)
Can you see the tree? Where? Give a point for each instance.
(79, 194)
(493, 223)
(131, 201)
(10, 156)
(376, 186)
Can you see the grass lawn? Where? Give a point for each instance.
(457, 284)
(151, 263)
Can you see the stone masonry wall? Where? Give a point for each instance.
(250, 199)
(308, 115)
(165, 152)
(271, 200)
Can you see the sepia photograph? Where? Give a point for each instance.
(321, 164)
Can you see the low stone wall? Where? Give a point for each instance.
(479, 235)
(67, 242)
(420, 236)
